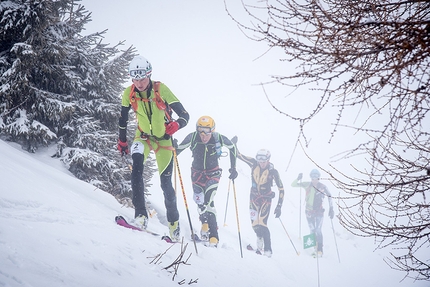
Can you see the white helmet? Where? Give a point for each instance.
(139, 68)
(263, 155)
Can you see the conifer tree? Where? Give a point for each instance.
(60, 86)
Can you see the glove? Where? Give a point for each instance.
(233, 173)
(331, 213)
(172, 128)
(277, 211)
(123, 147)
(300, 176)
(202, 208)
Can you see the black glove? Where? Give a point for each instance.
(300, 176)
(234, 139)
(277, 211)
(331, 213)
(233, 173)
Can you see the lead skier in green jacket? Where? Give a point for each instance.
(153, 103)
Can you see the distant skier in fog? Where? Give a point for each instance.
(315, 193)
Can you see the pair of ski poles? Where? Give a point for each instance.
(237, 213)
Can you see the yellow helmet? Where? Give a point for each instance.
(205, 124)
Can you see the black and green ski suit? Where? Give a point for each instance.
(206, 173)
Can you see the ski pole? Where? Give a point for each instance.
(300, 211)
(318, 266)
(335, 242)
(174, 176)
(288, 236)
(226, 205)
(185, 198)
(237, 219)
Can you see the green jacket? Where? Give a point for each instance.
(150, 118)
(315, 195)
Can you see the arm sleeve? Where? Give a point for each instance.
(232, 147)
(183, 115)
(122, 123)
(280, 186)
(184, 144)
(248, 160)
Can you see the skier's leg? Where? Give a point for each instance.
(169, 193)
(311, 222)
(264, 215)
(137, 184)
(210, 192)
(318, 232)
(213, 225)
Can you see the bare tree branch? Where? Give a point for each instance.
(369, 58)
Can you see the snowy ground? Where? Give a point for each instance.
(58, 231)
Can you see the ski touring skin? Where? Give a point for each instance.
(120, 220)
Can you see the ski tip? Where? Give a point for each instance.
(119, 217)
(167, 239)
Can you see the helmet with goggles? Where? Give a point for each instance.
(205, 124)
(263, 155)
(139, 68)
(315, 174)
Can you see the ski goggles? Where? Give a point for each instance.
(138, 74)
(261, 158)
(205, 130)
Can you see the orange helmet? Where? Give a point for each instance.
(205, 124)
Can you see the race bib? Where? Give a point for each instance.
(253, 214)
(137, 147)
(199, 198)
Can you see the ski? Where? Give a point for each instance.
(250, 248)
(168, 239)
(122, 222)
(197, 238)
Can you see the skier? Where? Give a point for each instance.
(206, 145)
(153, 103)
(315, 193)
(263, 173)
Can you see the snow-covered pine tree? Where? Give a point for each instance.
(59, 86)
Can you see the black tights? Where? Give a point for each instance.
(138, 188)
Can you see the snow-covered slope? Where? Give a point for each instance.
(58, 231)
